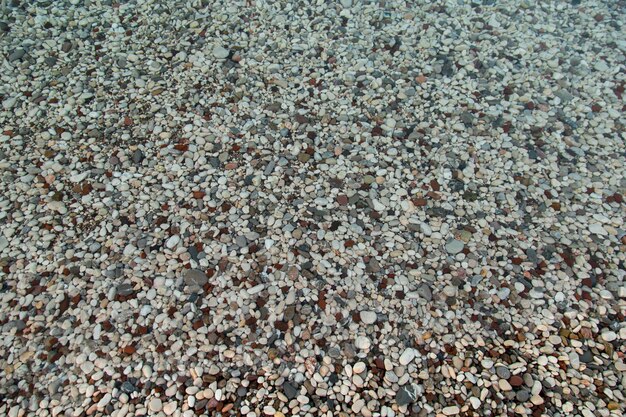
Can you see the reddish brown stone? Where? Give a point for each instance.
(342, 200)
(377, 131)
(516, 381)
(283, 326)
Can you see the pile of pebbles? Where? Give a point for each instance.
(313, 208)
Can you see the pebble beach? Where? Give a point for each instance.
(312, 208)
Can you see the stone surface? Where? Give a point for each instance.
(337, 208)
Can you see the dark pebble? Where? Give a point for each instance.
(289, 390)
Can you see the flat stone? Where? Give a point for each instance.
(475, 402)
(359, 367)
(425, 292)
(16, 55)
(342, 199)
(170, 408)
(407, 356)
(66, 46)
(504, 385)
(522, 395)
(406, 395)
(124, 289)
(451, 411)
(362, 342)
(4, 243)
(290, 390)
(454, 246)
(172, 241)
(241, 241)
(368, 317)
(609, 336)
(137, 156)
(503, 372)
(195, 278)
(597, 229)
(220, 52)
(587, 356)
(155, 405)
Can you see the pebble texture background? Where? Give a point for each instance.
(314, 208)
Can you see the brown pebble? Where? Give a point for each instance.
(516, 381)
(342, 199)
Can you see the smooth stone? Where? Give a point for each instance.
(195, 278)
(425, 292)
(475, 402)
(503, 372)
(362, 342)
(516, 381)
(4, 243)
(220, 52)
(172, 242)
(406, 395)
(359, 367)
(454, 246)
(368, 317)
(16, 55)
(342, 200)
(137, 156)
(289, 390)
(609, 336)
(597, 229)
(407, 356)
(522, 395)
(155, 405)
(452, 410)
(124, 289)
(169, 408)
(504, 385)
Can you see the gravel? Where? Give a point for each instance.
(312, 208)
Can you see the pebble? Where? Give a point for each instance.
(359, 367)
(609, 336)
(172, 242)
(220, 52)
(406, 395)
(170, 408)
(17, 54)
(504, 385)
(368, 317)
(362, 343)
(289, 390)
(503, 372)
(454, 246)
(425, 292)
(475, 402)
(155, 405)
(407, 356)
(451, 410)
(195, 278)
